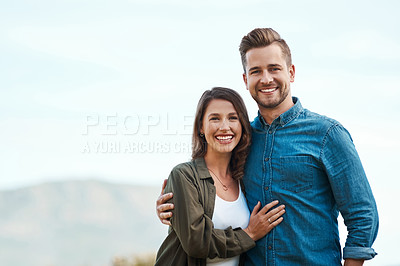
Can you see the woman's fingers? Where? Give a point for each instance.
(264, 220)
(256, 208)
(273, 216)
(267, 207)
(276, 214)
(276, 222)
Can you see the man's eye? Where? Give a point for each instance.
(255, 72)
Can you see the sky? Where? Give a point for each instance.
(108, 89)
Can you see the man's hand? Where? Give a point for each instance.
(353, 262)
(164, 209)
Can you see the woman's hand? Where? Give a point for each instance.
(263, 221)
(163, 209)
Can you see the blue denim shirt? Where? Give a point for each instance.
(309, 163)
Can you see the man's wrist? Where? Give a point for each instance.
(353, 262)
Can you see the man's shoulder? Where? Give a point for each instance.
(321, 120)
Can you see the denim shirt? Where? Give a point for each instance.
(309, 163)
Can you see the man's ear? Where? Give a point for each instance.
(292, 73)
(245, 80)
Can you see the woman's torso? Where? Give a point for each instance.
(229, 213)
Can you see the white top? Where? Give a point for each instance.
(229, 213)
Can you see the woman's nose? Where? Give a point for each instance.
(224, 125)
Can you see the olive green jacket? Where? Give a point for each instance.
(192, 238)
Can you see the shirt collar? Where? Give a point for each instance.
(284, 118)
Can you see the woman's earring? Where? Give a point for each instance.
(201, 134)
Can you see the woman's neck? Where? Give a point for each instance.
(219, 163)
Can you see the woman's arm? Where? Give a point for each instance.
(195, 229)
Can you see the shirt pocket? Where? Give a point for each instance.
(296, 173)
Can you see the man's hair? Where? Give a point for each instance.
(262, 37)
(199, 143)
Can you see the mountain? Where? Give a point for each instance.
(77, 223)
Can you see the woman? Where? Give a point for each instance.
(210, 208)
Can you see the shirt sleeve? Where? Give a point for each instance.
(194, 228)
(352, 193)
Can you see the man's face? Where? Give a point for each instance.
(268, 78)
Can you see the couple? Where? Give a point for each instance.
(306, 161)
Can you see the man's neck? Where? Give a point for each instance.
(270, 114)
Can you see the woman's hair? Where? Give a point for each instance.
(240, 152)
(262, 37)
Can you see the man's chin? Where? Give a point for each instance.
(268, 105)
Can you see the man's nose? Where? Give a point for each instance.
(266, 77)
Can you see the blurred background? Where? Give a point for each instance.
(97, 100)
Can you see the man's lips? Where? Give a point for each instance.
(266, 90)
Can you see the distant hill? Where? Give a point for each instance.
(77, 223)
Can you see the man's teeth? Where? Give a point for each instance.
(224, 137)
(268, 90)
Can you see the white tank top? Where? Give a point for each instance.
(229, 213)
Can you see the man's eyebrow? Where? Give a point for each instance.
(254, 68)
(274, 65)
(270, 65)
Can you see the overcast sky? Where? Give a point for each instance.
(108, 89)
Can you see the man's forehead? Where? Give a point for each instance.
(267, 55)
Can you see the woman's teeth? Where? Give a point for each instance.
(224, 137)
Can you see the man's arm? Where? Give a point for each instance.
(353, 262)
(352, 193)
(163, 208)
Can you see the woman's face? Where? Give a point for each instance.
(221, 126)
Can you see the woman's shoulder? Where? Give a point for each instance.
(183, 166)
(183, 176)
(184, 169)
(190, 169)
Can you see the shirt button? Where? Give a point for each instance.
(270, 132)
(266, 188)
(266, 159)
(269, 247)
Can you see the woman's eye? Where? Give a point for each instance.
(234, 118)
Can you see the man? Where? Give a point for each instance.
(306, 161)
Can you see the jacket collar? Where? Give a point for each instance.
(202, 168)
